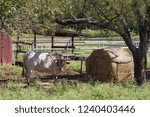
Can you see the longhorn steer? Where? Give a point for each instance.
(43, 62)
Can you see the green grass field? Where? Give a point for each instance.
(65, 91)
(81, 91)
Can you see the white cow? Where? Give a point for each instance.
(43, 62)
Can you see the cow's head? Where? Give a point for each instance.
(61, 63)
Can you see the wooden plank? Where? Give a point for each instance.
(20, 51)
(21, 42)
(76, 57)
(63, 47)
(34, 40)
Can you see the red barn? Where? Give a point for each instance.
(5, 48)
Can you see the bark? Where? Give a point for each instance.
(139, 66)
(139, 57)
(139, 54)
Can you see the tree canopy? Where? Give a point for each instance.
(28, 15)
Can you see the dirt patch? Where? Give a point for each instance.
(3, 81)
(72, 79)
(45, 80)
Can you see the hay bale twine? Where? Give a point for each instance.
(110, 65)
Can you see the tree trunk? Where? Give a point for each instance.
(139, 66)
(139, 56)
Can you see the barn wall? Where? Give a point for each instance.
(5, 49)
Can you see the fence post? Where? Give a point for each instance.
(52, 43)
(72, 40)
(35, 40)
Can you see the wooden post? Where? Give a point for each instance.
(34, 40)
(72, 41)
(52, 43)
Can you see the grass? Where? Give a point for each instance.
(148, 60)
(23, 35)
(10, 71)
(98, 33)
(81, 91)
(75, 66)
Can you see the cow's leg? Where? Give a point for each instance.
(55, 79)
(27, 76)
(24, 74)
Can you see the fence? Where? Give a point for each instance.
(65, 45)
(20, 47)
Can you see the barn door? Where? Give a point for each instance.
(1, 48)
(5, 49)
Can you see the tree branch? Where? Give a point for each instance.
(76, 21)
(90, 21)
(102, 24)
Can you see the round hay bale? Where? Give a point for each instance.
(110, 65)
